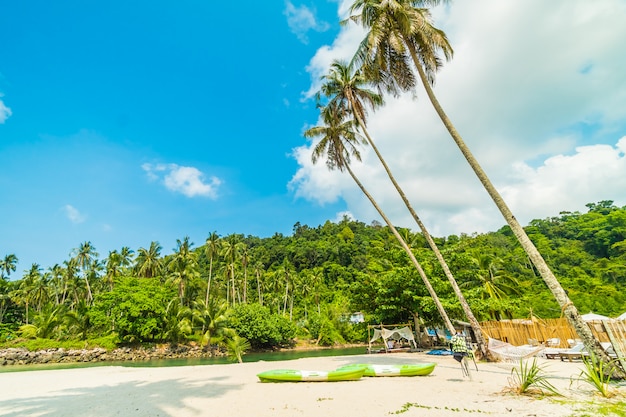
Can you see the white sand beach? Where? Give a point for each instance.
(234, 390)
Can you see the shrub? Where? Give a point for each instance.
(135, 309)
(260, 327)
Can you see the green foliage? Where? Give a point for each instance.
(107, 342)
(315, 278)
(598, 374)
(322, 330)
(236, 347)
(135, 309)
(608, 409)
(530, 378)
(260, 327)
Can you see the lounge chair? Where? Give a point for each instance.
(577, 352)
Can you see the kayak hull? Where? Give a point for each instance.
(418, 369)
(294, 375)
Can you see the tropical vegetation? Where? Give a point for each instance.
(273, 291)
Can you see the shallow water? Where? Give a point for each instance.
(250, 357)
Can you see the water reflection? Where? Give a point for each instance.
(250, 357)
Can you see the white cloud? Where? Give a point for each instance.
(73, 214)
(594, 172)
(5, 112)
(301, 20)
(188, 181)
(537, 91)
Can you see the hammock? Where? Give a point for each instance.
(508, 353)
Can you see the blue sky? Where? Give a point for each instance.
(123, 123)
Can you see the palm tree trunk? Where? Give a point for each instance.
(480, 340)
(89, 295)
(208, 284)
(406, 248)
(567, 307)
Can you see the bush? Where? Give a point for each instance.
(260, 327)
(135, 309)
(323, 331)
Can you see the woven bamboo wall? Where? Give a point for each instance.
(537, 331)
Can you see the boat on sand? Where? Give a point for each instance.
(417, 369)
(292, 375)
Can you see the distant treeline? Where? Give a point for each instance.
(236, 290)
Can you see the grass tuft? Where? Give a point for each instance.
(530, 378)
(598, 373)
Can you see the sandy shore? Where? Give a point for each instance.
(234, 390)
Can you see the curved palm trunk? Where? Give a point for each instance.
(406, 248)
(482, 346)
(208, 285)
(567, 307)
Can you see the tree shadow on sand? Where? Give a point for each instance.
(137, 398)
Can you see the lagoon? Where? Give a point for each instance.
(250, 357)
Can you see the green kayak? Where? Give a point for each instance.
(292, 375)
(418, 369)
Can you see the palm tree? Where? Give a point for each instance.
(183, 265)
(126, 256)
(348, 88)
(231, 250)
(338, 142)
(148, 261)
(25, 292)
(245, 258)
(113, 268)
(214, 320)
(85, 254)
(492, 281)
(212, 247)
(401, 30)
(258, 272)
(73, 283)
(7, 265)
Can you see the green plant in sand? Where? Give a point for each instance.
(598, 373)
(236, 347)
(530, 378)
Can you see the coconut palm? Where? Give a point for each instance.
(214, 320)
(400, 32)
(148, 263)
(7, 265)
(25, 293)
(231, 251)
(348, 88)
(184, 266)
(85, 254)
(338, 141)
(211, 248)
(113, 268)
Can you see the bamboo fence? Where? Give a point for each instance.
(536, 331)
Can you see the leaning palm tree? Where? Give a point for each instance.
(400, 32)
(349, 89)
(338, 141)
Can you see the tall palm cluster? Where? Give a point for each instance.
(402, 48)
(59, 302)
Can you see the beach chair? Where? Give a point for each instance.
(577, 352)
(462, 351)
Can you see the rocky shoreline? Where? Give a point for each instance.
(21, 356)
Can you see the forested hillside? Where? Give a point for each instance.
(240, 289)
